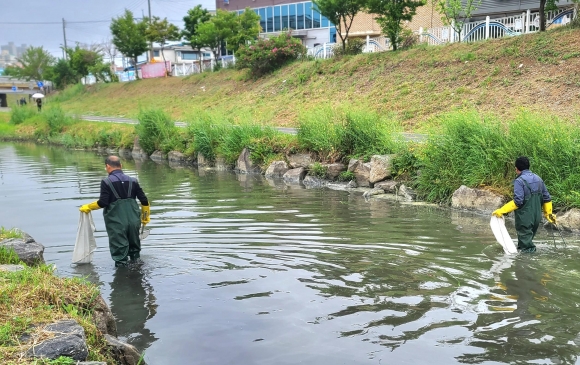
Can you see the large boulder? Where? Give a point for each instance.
(389, 186)
(333, 170)
(294, 176)
(300, 160)
(406, 193)
(361, 172)
(374, 191)
(221, 164)
(176, 156)
(27, 249)
(69, 342)
(381, 166)
(103, 317)
(202, 161)
(245, 165)
(124, 152)
(138, 153)
(314, 182)
(277, 169)
(570, 221)
(158, 156)
(123, 353)
(475, 199)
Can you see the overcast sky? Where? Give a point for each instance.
(87, 20)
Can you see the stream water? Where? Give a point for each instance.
(242, 270)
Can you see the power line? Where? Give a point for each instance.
(48, 23)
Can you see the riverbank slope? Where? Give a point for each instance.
(538, 72)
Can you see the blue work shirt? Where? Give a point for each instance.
(536, 184)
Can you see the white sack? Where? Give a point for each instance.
(85, 244)
(501, 235)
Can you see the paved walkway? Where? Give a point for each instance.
(415, 137)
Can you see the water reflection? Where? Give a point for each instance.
(133, 301)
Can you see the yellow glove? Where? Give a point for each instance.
(145, 214)
(88, 207)
(547, 209)
(507, 208)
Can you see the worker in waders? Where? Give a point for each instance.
(122, 216)
(531, 198)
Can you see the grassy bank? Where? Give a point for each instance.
(53, 126)
(535, 71)
(464, 148)
(35, 296)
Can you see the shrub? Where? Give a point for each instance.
(205, 136)
(21, 114)
(408, 39)
(156, 131)
(353, 47)
(479, 151)
(270, 54)
(320, 130)
(346, 176)
(318, 170)
(56, 120)
(367, 134)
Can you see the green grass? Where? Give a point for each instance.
(216, 135)
(157, 132)
(53, 126)
(414, 85)
(20, 114)
(345, 133)
(9, 233)
(34, 297)
(479, 150)
(7, 255)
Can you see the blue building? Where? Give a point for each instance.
(276, 15)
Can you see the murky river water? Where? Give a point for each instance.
(242, 271)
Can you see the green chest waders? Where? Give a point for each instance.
(528, 219)
(123, 219)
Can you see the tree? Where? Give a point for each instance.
(341, 13)
(456, 12)
(161, 31)
(11, 71)
(194, 17)
(63, 74)
(35, 61)
(391, 14)
(129, 36)
(215, 31)
(81, 60)
(546, 5)
(246, 30)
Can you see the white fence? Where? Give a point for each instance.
(526, 22)
(378, 44)
(195, 67)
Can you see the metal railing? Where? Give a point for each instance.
(512, 25)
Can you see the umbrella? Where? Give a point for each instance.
(38, 96)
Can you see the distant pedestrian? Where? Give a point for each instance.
(29, 98)
(39, 104)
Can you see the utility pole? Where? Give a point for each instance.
(64, 35)
(151, 43)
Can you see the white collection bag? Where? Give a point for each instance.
(501, 235)
(85, 244)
